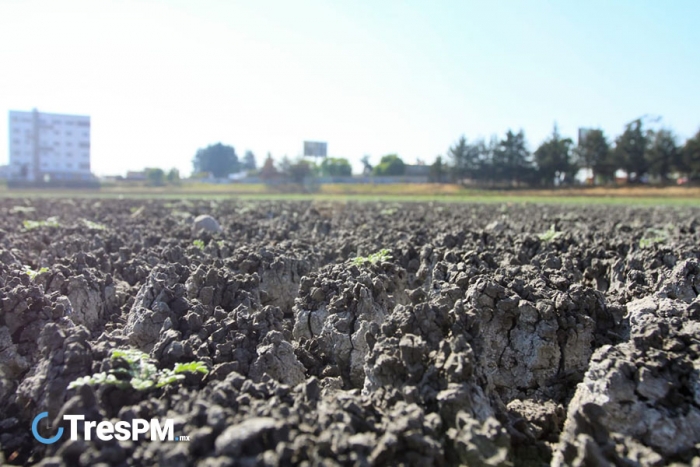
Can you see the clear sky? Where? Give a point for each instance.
(161, 79)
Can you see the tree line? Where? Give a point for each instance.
(220, 161)
(639, 152)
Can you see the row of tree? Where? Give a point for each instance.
(221, 160)
(638, 152)
(301, 169)
(389, 165)
(158, 177)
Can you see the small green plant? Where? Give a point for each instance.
(381, 255)
(32, 273)
(650, 242)
(136, 212)
(93, 225)
(139, 372)
(198, 243)
(549, 235)
(50, 222)
(220, 244)
(652, 237)
(170, 376)
(246, 208)
(22, 209)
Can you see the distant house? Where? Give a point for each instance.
(421, 170)
(136, 175)
(111, 178)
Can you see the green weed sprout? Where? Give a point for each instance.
(549, 235)
(22, 209)
(381, 255)
(50, 222)
(93, 225)
(652, 237)
(246, 208)
(136, 212)
(32, 273)
(170, 376)
(198, 243)
(140, 374)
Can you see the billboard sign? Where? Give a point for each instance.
(582, 133)
(315, 148)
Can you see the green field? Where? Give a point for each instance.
(673, 196)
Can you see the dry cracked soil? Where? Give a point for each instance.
(483, 334)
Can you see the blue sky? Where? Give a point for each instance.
(161, 79)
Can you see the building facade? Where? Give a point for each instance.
(45, 146)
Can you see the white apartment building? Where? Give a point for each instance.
(46, 146)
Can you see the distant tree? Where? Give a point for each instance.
(173, 176)
(249, 162)
(593, 152)
(336, 167)
(663, 153)
(690, 160)
(218, 159)
(629, 152)
(390, 164)
(511, 159)
(268, 170)
(465, 158)
(155, 176)
(366, 166)
(300, 170)
(486, 170)
(437, 171)
(285, 164)
(553, 158)
(457, 154)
